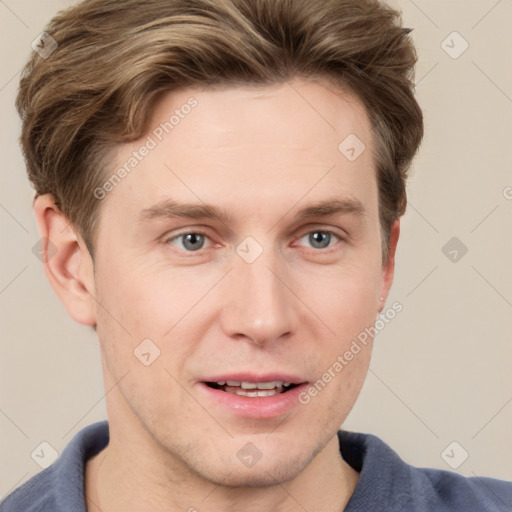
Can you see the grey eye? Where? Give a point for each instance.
(191, 241)
(319, 239)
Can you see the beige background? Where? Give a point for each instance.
(441, 371)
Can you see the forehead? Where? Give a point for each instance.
(298, 112)
(254, 145)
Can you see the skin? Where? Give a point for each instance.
(260, 154)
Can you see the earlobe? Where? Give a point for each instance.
(388, 268)
(66, 260)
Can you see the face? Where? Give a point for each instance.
(244, 248)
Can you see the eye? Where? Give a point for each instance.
(190, 242)
(321, 239)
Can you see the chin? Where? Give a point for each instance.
(268, 475)
(272, 469)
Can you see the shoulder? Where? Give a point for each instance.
(457, 492)
(60, 487)
(386, 482)
(35, 495)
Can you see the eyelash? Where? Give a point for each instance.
(203, 234)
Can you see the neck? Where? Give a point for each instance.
(118, 478)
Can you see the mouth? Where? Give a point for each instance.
(250, 395)
(252, 389)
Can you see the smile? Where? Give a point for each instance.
(252, 389)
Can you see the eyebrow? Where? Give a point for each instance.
(169, 208)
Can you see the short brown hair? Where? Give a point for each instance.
(116, 57)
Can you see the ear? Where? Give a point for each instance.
(66, 259)
(388, 269)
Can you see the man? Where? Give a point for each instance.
(223, 182)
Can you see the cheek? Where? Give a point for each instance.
(346, 303)
(141, 318)
(136, 300)
(135, 329)
(345, 298)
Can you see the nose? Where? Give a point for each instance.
(258, 302)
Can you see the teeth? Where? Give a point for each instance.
(270, 385)
(253, 393)
(259, 385)
(253, 389)
(270, 392)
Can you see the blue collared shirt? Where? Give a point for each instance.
(386, 483)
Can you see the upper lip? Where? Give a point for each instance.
(255, 378)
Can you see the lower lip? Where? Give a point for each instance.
(260, 407)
